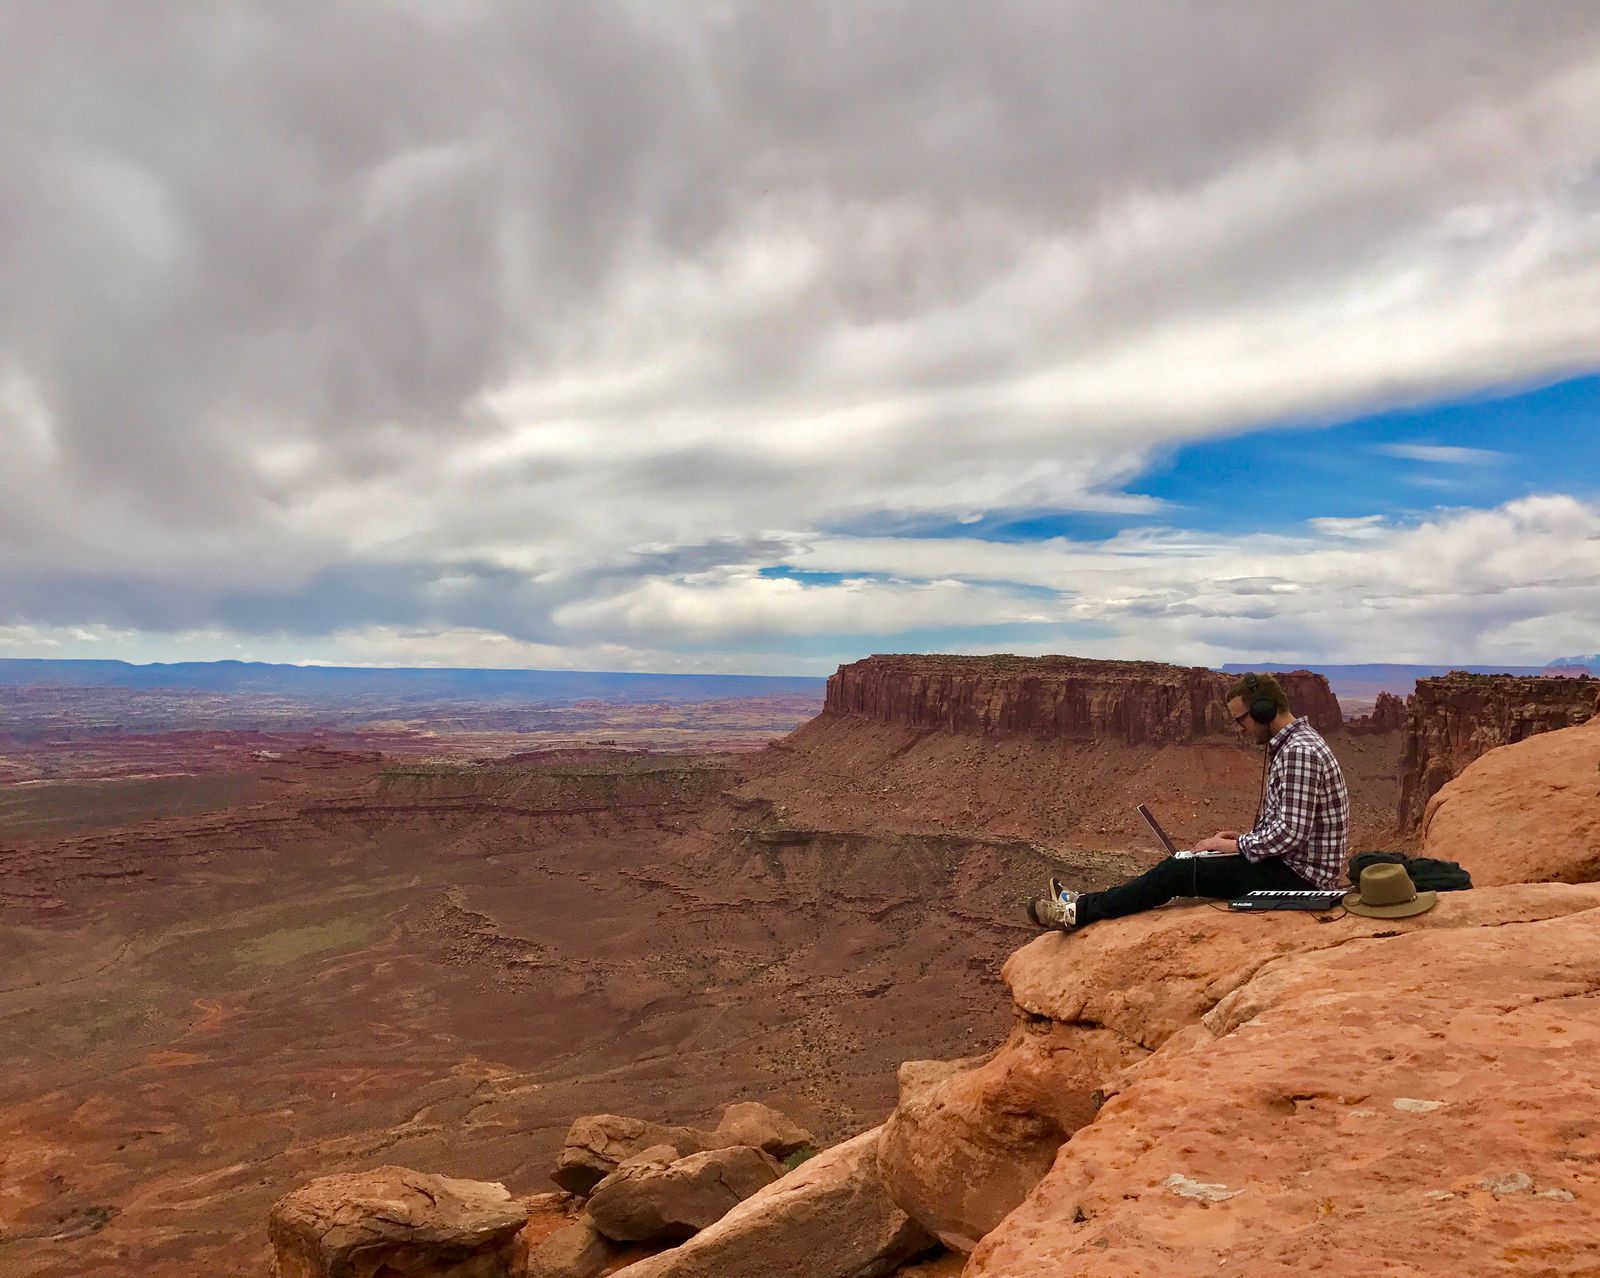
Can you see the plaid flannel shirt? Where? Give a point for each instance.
(1305, 818)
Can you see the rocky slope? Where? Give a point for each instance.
(1060, 698)
(1457, 717)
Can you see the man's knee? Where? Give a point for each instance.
(1172, 873)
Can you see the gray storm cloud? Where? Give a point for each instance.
(557, 321)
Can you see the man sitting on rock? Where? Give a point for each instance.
(1300, 839)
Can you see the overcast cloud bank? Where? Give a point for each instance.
(532, 334)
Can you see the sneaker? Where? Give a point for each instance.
(1058, 892)
(1059, 911)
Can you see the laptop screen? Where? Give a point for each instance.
(1156, 826)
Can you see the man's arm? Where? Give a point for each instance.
(1291, 826)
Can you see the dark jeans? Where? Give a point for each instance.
(1218, 876)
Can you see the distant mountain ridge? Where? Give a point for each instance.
(548, 686)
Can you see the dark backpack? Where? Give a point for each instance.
(1427, 873)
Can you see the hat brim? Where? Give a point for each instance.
(1405, 909)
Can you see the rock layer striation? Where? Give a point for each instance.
(1071, 698)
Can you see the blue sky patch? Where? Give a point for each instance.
(1475, 451)
(1403, 464)
(784, 572)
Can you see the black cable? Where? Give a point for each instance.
(1261, 803)
(1261, 799)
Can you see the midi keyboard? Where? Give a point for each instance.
(1291, 899)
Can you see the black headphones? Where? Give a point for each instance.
(1263, 707)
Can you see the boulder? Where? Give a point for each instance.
(658, 1196)
(761, 1126)
(548, 1214)
(578, 1251)
(829, 1218)
(1417, 1098)
(598, 1143)
(393, 1220)
(965, 1145)
(968, 1146)
(1524, 813)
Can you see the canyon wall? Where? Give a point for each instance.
(1457, 717)
(1068, 698)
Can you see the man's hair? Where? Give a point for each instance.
(1266, 686)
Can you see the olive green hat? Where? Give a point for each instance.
(1387, 892)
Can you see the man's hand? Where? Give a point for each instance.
(1227, 834)
(1219, 844)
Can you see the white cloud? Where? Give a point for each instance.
(730, 608)
(1356, 528)
(1444, 454)
(548, 361)
(1513, 580)
(26, 641)
(1471, 583)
